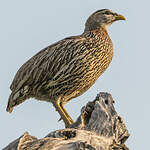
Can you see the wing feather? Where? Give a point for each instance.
(46, 64)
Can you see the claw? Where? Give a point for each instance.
(60, 119)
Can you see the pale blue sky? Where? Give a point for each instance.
(27, 26)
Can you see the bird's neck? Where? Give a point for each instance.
(96, 32)
(95, 28)
(91, 25)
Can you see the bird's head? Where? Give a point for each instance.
(102, 18)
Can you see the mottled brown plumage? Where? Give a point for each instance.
(68, 68)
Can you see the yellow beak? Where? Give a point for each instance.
(120, 17)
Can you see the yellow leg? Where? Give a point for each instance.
(63, 113)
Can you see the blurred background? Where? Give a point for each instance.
(28, 26)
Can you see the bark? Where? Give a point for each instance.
(97, 128)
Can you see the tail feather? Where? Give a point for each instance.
(9, 105)
(17, 97)
(9, 109)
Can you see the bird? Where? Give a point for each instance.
(67, 68)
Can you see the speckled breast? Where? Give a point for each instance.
(94, 60)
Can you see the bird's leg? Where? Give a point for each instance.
(70, 119)
(63, 113)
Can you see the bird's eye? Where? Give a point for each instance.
(107, 13)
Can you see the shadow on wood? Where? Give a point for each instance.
(98, 128)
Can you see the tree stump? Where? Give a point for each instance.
(97, 128)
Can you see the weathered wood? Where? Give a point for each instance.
(98, 128)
